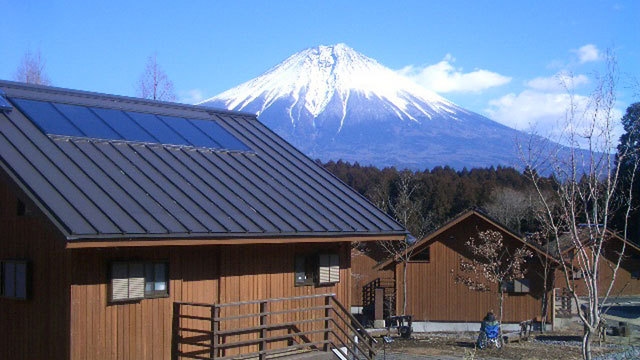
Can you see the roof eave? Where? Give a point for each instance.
(247, 239)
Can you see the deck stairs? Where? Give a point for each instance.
(369, 299)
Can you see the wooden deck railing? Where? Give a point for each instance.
(563, 303)
(369, 297)
(257, 329)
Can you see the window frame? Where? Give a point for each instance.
(517, 286)
(24, 279)
(305, 265)
(156, 293)
(328, 268)
(136, 291)
(320, 268)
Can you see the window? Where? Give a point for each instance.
(306, 268)
(14, 275)
(138, 280)
(422, 255)
(318, 269)
(576, 274)
(22, 209)
(516, 286)
(329, 269)
(155, 283)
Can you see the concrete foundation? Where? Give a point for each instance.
(379, 324)
(428, 326)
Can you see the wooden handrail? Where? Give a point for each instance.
(339, 327)
(359, 331)
(240, 303)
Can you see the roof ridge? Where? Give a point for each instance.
(120, 98)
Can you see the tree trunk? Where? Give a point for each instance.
(543, 310)
(500, 302)
(586, 343)
(404, 289)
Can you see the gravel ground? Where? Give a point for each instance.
(449, 346)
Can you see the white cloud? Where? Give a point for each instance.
(560, 82)
(443, 77)
(588, 53)
(548, 114)
(531, 109)
(192, 96)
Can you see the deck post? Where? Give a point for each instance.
(327, 313)
(175, 327)
(215, 327)
(264, 308)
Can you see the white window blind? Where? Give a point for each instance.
(521, 286)
(127, 281)
(329, 268)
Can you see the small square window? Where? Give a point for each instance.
(138, 280)
(14, 276)
(318, 269)
(306, 268)
(329, 269)
(155, 275)
(516, 286)
(423, 255)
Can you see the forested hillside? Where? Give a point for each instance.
(428, 198)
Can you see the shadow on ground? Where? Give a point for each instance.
(558, 338)
(466, 344)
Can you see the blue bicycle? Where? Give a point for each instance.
(490, 336)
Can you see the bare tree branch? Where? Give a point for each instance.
(578, 215)
(31, 69)
(491, 263)
(154, 83)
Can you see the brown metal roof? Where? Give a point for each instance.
(433, 236)
(102, 188)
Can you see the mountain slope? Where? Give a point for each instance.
(335, 103)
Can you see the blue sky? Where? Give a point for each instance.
(498, 58)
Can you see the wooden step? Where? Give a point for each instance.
(308, 355)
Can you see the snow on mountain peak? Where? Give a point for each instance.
(317, 76)
(332, 102)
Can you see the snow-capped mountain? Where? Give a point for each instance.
(335, 103)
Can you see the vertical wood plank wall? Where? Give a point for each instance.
(36, 328)
(433, 295)
(624, 283)
(362, 269)
(69, 316)
(205, 274)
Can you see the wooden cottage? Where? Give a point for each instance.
(437, 302)
(134, 229)
(627, 277)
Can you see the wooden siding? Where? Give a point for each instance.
(142, 329)
(624, 284)
(433, 295)
(68, 314)
(362, 269)
(36, 328)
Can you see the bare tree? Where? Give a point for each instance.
(406, 208)
(546, 257)
(31, 69)
(492, 263)
(510, 207)
(154, 83)
(580, 210)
